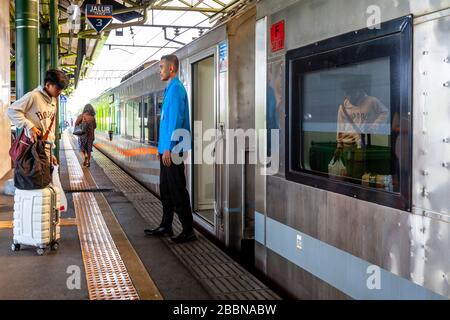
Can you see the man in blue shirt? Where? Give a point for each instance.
(174, 116)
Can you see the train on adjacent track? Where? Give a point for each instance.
(350, 198)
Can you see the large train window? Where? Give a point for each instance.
(349, 114)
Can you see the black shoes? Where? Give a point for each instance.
(167, 232)
(184, 237)
(159, 232)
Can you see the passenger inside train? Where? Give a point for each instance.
(362, 151)
(360, 117)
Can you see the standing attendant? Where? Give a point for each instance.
(174, 195)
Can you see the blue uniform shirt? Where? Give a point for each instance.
(174, 115)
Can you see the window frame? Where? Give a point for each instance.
(402, 29)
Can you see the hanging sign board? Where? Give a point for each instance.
(99, 16)
(62, 99)
(223, 56)
(277, 36)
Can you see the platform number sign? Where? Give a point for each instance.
(99, 16)
(277, 36)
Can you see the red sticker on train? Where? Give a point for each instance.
(277, 36)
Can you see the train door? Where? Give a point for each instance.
(204, 106)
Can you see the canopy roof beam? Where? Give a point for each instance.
(191, 9)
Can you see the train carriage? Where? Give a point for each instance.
(356, 92)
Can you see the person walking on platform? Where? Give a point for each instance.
(36, 110)
(86, 140)
(174, 195)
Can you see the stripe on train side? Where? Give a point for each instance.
(336, 267)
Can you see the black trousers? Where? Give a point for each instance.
(174, 196)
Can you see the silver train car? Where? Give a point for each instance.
(349, 199)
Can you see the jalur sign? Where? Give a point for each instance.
(99, 16)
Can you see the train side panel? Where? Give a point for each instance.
(318, 244)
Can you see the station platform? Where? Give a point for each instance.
(103, 253)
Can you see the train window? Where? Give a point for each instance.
(349, 114)
(151, 120)
(120, 120)
(133, 120)
(159, 103)
(346, 128)
(129, 119)
(137, 120)
(144, 115)
(143, 109)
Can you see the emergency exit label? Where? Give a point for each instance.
(277, 36)
(99, 16)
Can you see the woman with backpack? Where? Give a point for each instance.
(85, 141)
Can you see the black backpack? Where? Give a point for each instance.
(33, 169)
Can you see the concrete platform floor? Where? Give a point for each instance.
(173, 280)
(24, 275)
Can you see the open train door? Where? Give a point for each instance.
(206, 131)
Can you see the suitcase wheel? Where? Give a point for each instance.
(55, 246)
(15, 247)
(40, 251)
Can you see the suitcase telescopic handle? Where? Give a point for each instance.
(55, 207)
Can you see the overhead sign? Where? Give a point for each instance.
(223, 56)
(99, 16)
(277, 36)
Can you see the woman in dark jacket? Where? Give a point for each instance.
(86, 141)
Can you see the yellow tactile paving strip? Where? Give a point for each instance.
(6, 224)
(68, 222)
(146, 288)
(106, 273)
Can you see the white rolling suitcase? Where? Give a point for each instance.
(36, 219)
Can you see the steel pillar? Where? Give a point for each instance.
(54, 63)
(44, 40)
(27, 44)
(54, 34)
(44, 50)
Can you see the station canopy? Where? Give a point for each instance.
(141, 32)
